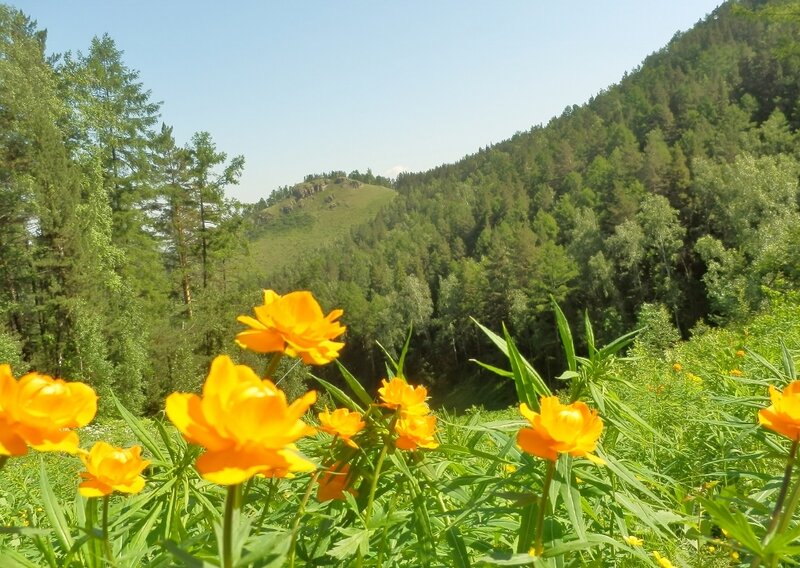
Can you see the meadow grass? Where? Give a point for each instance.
(689, 476)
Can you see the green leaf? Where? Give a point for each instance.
(788, 362)
(358, 540)
(535, 383)
(735, 523)
(588, 541)
(506, 559)
(13, 559)
(142, 433)
(566, 336)
(53, 510)
(587, 327)
(618, 344)
(187, 559)
(338, 394)
(527, 523)
(270, 550)
(459, 556)
(355, 385)
(493, 369)
(24, 531)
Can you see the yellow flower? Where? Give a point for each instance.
(571, 428)
(740, 353)
(677, 367)
(343, 423)
(735, 555)
(293, 324)
(663, 562)
(398, 394)
(334, 482)
(40, 411)
(783, 415)
(712, 549)
(415, 431)
(694, 378)
(633, 541)
(110, 469)
(736, 373)
(509, 468)
(244, 423)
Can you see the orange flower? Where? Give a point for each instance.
(110, 469)
(39, 411)
(570, 428)
(343, 423)
(398, 394)
(783, 415)
(244, 423)
(677, 367)
(293, 324)
(334, 482)
(415, 431)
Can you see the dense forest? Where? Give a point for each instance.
(114, 238)
(669, 199)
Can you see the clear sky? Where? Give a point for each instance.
(307, 86)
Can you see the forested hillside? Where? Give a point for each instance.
(671, 197)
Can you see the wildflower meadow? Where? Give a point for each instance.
(678, 458)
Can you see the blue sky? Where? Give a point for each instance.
(310, 86)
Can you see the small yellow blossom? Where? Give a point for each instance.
(694, 378)
(736, 373)
(740, 353)
(712, 549)
(509, 468)
(735, 555)
(677, 367)
(663, 562)
(634, 541)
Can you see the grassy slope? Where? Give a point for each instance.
(289, 236)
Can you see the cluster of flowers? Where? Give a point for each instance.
(41, 412)
(412, 426)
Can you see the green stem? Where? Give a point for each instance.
(273, 486)
(548, 478)
(787, 477)
(301, 510)
(3, 460)
(372, 489)
(776, 512)
(272, 365)
(791, 506)
(227, 527)
(374, 484)
(106, 542)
